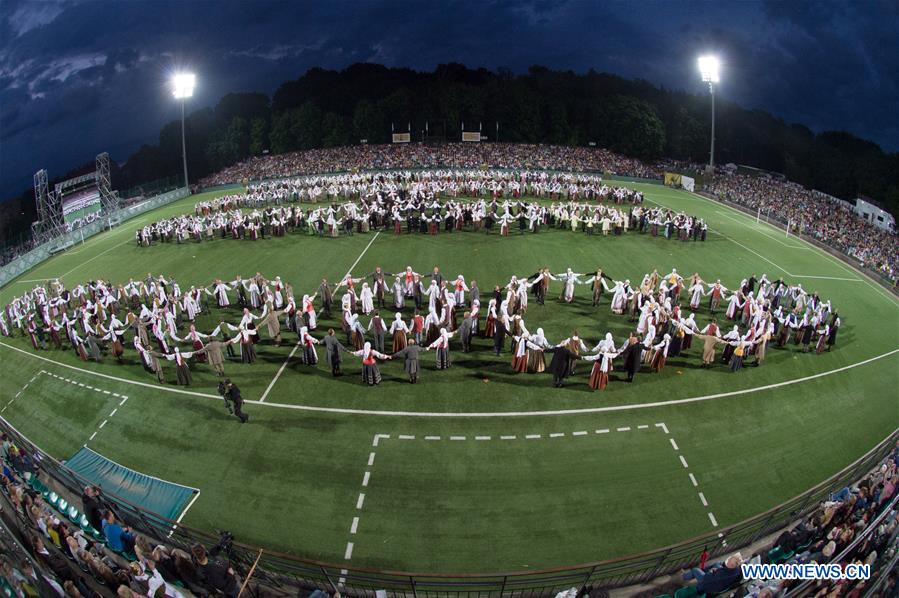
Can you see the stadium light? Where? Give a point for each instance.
(183, 85)
(183, 88)
(708, 68)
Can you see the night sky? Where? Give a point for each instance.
(78, 78)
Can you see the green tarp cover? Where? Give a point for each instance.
(149, 493)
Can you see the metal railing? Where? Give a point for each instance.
(287, 571)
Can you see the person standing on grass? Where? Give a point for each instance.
(181, 368)
(371, 375)
(213, 350)
(410, 356)
(324, 291)
(632, 353)
(442, 347)
(560, 366)
(333, 349)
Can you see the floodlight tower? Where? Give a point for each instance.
(708, 68)
(182, 89)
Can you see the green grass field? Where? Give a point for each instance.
(291, 479)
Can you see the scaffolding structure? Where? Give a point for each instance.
(109, 199)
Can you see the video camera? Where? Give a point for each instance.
(223, 391)
(225, 545)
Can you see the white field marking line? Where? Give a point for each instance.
(642, 427)
(624, 429)
(343, 410)
(366, 477)
(661, 426)
(603, 431)
(732, 240)
(297, 346)
(865, 278)
(183, 513)
(63, 379)
(775, 264)
(21, 390)
(95, 257)
(760, 231)
(280, 371)
(702, 498)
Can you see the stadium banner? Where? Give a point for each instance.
(688, 183)
(471, 136)
(672, 179)
(402, 137)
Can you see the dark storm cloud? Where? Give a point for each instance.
(77, 78)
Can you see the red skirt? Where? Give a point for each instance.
(399, 341)
(658, 362)
(520, 364)
(490, 327)
(201, 358)
(598, 378)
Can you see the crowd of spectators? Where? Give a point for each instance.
(819, 216)
(417, 155)
(73, 560)
(828, 535)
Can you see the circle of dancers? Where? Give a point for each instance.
(444, 314)
(428, 202)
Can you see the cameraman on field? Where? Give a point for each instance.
(231, 395)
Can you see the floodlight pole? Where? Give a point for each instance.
(184, 146)
(712, 150)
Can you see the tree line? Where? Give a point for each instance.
(325, 108)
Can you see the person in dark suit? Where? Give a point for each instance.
(236, 400)
(466, 329)
(499, 335)
(560, 364)
(631, 355)
(92, 506)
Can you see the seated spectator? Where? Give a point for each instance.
(213, 575)
(119, 539)
(718, 577)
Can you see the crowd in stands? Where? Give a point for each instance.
(95, 553)
(409, 155)
(814, 214)
(827, 535)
